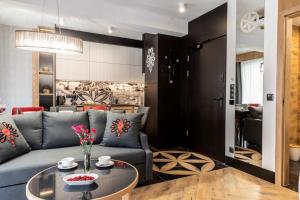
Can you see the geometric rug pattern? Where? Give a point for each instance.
(181, 163)
(248, 155)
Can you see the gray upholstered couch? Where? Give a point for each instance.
(36, 129)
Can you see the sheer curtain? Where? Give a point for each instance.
(252, 81)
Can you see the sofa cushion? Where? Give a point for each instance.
(21, 169)
(57, 128)
(12, 142)
(122, 130)
(31, 127)
(97, 119)
(145, 111)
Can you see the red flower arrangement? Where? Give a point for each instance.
(86, 138)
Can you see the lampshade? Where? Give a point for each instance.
(48, 42)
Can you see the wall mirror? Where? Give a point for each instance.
(249, 81)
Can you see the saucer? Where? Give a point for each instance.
(75, 164)
(109, 164)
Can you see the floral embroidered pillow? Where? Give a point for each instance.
(12, 142)
(122, 130)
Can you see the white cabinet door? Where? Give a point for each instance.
(102, 72)
(102, 62)
(106, 53)
(72, 69)
(95, 52)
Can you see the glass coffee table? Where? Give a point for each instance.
(115, 182)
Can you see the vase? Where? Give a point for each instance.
(86, 196)
(87, 162)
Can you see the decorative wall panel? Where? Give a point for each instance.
(100, 92)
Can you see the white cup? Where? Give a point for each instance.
(104, 160)
(66, 162)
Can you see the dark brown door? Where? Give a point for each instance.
(207, 99)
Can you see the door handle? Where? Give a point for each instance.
(218, 99)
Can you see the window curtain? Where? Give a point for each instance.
(238, 89)
(252, 81)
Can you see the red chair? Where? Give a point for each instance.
(85, 108)
(20, 110)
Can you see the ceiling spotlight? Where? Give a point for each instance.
(110, 30)
(182, 7)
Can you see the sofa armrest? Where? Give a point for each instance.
(148, 152)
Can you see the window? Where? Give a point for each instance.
(252, 81)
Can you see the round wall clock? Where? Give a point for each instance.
(249, 22)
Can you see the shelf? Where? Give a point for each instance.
(46, 73)
(44, 94)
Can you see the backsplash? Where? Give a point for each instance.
(100, 92)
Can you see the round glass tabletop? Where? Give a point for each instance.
(113, 182)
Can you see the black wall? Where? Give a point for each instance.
(100, 38)
(207, 27)
(162, 89)
(210, 25)
(171, 111)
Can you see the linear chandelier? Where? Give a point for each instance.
(48, 42)
(45, 41)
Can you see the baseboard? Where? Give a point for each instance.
(251, 169)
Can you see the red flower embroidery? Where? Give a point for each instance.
(8, 133)
(120, 126)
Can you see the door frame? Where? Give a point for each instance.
(282, 109)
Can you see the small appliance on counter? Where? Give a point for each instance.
(60, 100)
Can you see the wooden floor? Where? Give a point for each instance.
(222, 184)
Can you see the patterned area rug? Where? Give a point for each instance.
(248, 155)
(171, 164)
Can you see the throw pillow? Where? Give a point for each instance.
(31, 126)
(12, 142)
(97, 119)
(122, 130)
(57, 128)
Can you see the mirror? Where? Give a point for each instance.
(249, 81)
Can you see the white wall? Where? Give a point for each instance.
(15, 71)
(270, 65)
(230, 75)
(270, 77)
(101, 62)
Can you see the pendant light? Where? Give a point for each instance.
(48, 42)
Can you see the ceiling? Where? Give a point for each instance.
(253, 41)
(130, 18)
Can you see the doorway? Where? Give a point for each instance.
(207, 99)
(288, 100)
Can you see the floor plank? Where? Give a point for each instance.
(222, 184)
